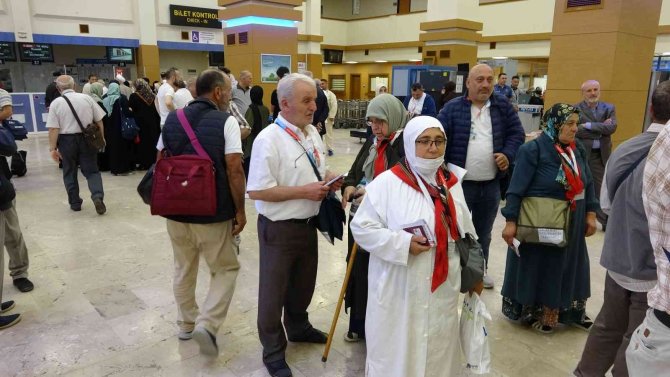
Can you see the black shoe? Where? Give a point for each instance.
(23, 284)
(9, 320)
(6, 306)
(99, 206)
(278, 368)
(311, 336)
(75, 207)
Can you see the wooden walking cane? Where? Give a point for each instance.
(352, 257)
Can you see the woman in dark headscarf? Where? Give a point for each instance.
(258, 117)
(448, 93)
(142, 104)
(119, 150)
(545, 285)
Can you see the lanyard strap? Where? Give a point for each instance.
(297, 140)
(571, 160)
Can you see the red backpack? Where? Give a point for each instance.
(185, 184)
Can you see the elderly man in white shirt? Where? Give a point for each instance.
(288, 195)
(67, 143)
(332, 112)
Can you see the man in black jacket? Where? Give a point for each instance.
(209, 236)
(322, 109)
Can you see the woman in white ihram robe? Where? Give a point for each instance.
(410, 331)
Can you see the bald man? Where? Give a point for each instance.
(484, 134)
(242, 92)
(597, 123)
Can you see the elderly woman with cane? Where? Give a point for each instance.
(386, 116)
(412, 323)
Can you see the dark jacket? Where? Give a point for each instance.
(428, 105)
(599, 130)
(208, 125)
(508, 134)
(394, 153)
(50, 94)
(7, 193)
(321, 113)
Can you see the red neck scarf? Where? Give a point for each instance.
(575, 185)
(445, 221)
(381, 163)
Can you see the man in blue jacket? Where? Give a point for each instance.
(484, 134)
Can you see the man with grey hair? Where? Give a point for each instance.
(242, 92)
(284, 184)
(67, 143)
(597, 123)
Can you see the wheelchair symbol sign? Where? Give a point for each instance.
(195, 36)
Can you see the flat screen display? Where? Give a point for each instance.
(120, 54)
(8, 51)
(216, 58)
(36, 52)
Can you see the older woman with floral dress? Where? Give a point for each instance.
(544, 284)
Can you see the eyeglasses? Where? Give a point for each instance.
(426, 143)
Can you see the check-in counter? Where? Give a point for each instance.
(530, 116)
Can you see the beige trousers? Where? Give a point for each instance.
(214, 243)
(328, 137)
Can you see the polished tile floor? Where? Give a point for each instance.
(103, 303)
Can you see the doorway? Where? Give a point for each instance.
(355, 87)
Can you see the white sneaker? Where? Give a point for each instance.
(488, 282)
(185, 335)
(206, 340)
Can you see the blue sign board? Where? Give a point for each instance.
(22, 111)
(40, 111)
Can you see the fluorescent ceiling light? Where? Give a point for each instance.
(351, 62)
(415, 60)
(324, 63)
(666, 53)
(381, 61)
(499, 57)
(259, 21)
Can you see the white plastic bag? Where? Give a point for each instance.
(474, 336)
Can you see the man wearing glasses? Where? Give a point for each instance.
(288, 194)
(484, 134)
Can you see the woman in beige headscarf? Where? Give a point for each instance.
(387, 116)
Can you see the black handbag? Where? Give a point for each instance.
(18, 165)
(7, 142)
(146, 185)
(472, 262)
(129, 128)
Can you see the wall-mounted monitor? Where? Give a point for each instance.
(42, 52)
(8, 51)
(332, 56)
(216, 59)
(120, 55)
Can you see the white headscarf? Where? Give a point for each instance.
(421, 167)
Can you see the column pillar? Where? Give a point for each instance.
(148, 63)
(612, 43)
(255, 27)
(451, 32)
(310, 38)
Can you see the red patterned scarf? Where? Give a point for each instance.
(445, 221)
(381, 163)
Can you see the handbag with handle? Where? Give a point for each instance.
(543, 221)
(7, 142)
(129, 128)
(92, 133)
(185, 184)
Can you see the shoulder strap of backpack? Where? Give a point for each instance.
(191, 135)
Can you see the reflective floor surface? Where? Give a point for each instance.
(103, 302)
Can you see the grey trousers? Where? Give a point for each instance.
(75, 152)
(622, 312)
(288, 263)
(15, 244)
(598, 170)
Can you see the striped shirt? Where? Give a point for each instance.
(656, 198)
